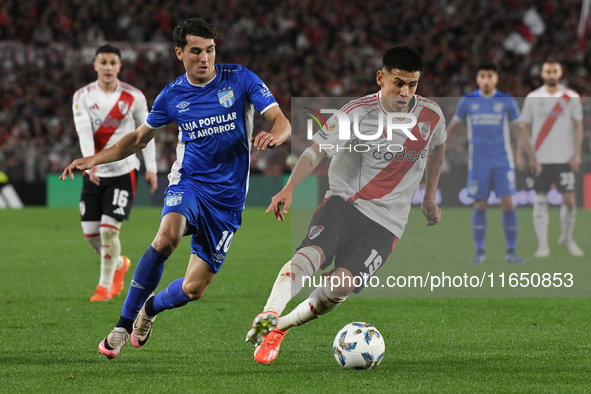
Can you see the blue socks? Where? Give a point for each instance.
(479, 228)
(172, 297)
(145, 280)
(510, 226)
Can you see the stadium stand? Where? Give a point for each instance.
(300, 48)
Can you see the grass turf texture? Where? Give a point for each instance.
(50, 331)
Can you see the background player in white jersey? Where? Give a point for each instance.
(554, 115)
(104, 112)
(488, 113)
(368, 201)
(213, 105)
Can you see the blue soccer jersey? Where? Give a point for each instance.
(488, 119)
(215, 122)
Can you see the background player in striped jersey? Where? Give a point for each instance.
(367, 205)
(554, 115)
(213, 105)
(104, 112)
(488, 113)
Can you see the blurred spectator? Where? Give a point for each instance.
(301, 48)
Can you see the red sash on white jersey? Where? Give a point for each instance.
(387, 179)
(118, 112)
(556, 111)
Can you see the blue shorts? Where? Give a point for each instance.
(211, 228)
(482, 180)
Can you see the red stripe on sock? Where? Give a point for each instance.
(314, 311)
(333, 301)
(92, 235)
(109, 226)
(311, 263)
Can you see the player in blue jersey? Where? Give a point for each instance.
(488, 113)
(213, 106)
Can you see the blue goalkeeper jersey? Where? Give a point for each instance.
(489, 135)
(215, 123)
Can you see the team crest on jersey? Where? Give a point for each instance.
(425, 129)
(226, 97)
(315, 231)
(173, 199)
(123, 107)
(475, 107)
(498, 107)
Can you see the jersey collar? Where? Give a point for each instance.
(487, 95)
(204, 84)
(117, 89)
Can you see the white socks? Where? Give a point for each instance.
(567, 222)
(110, 250)
(290, 279)
(541, 218)
(92, 234)
(321, 301)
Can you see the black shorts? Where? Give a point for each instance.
(559, 175)
(113, 197)
(356, 242)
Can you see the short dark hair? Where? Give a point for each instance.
(108, 48)
(552, 60)
(403, 58)
(487, 67)
(195, 27)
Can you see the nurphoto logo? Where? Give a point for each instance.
(340, 120)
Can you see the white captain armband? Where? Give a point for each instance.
(309, 153)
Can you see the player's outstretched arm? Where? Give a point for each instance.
(306, 163)
(575, 161)
(152, 180)
(126, 146)
(279, 133)
(451, 129)
(432, 172)
(524, 144)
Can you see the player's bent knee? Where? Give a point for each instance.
(569, 200)
(507, 203)
(194, 289)
(342, 282)
(109, 234)
(480, 204)
(166, 243)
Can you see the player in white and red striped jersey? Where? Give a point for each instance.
(373, 176)
(105, 111)
(555, 116)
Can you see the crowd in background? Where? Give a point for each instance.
(300, 48)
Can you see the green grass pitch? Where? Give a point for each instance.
(49, 331)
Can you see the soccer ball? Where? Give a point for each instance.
(358, 346)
